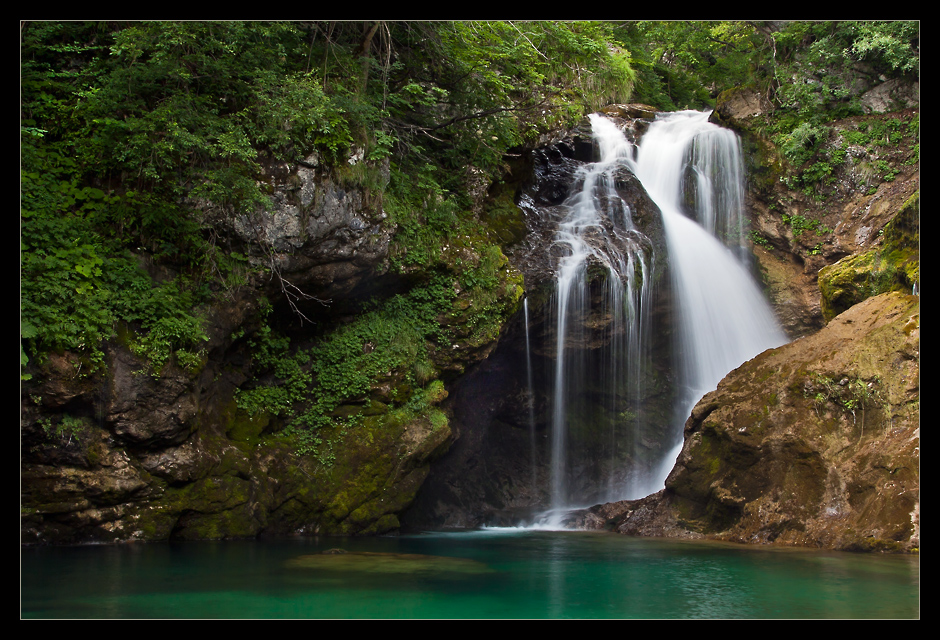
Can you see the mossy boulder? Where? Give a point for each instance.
(893, 266)
(815, 443)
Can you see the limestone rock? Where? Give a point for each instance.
(891, 95)
(815, 443)
(893, 265)
(735, 107)
(318, 234)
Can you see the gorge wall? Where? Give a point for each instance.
(833, 435)
(814, 443)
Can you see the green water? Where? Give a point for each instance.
(486, 574)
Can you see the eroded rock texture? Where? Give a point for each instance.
(815, 443)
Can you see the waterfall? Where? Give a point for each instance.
(724, 319)
(605, 257)
(692, 170)
(533, 461)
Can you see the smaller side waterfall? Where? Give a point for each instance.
(530, 398)
(601, 302)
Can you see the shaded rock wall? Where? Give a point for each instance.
(122, 454)
(133, 457)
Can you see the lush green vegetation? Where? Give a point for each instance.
(685, 65)
(131, 132)
(126, 126)
(328, 385)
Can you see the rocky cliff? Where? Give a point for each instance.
(128, 453)
(815, 443)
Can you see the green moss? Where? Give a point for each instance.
(503, 217)
(894, 266)
(859, 277)
(714, 466)
(232, 523)
(246, 427)
(154, 523)
(688, 513)
(870, 545)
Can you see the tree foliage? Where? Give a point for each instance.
(126, 126)
(685, 64)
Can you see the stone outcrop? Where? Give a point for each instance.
(133, 457)
(318, 235)
(892, 265)
(737, 107)
(815, 443)
(125, 453)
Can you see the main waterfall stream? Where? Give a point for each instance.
(692, 170)
(724, 319)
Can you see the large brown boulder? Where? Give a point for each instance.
(815, 443)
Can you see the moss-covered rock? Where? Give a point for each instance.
(893, 266)
(815, 443)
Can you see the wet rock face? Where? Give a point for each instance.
(736, 107)
(148, 412)
(815, 443)
(132, 457)
(497, 471)
(552, 180)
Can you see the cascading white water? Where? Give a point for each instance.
(683, 160)
(597, 234)
(724, 319)
(531, 395)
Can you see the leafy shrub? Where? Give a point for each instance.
(802, 143)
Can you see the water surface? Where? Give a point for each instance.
(485, 574)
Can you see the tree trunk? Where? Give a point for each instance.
(367, 33)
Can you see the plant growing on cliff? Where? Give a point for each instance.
(67, 428)
(308, 387)
(852, 396)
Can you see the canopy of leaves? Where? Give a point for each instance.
(124, 126)
(686, 64)
(812, 65)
